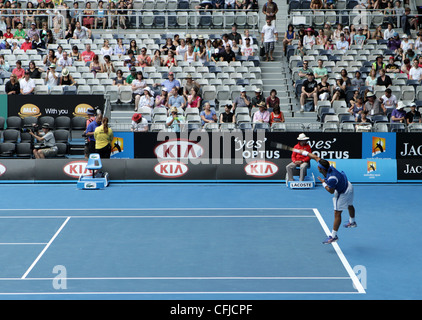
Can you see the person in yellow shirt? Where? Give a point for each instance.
(103, 137)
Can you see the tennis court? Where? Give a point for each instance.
(205, 241)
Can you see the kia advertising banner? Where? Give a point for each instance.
(52, 105)
(212, 147)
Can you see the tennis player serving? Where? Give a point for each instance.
(336, 182)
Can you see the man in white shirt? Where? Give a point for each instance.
(65, 60)
(247, 49)
(139, 123)
(269, 36)
(388, 100)
(389, 32)
(415, 73)
(27, 84)
(342, 44)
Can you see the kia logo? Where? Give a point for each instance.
(178, 149)
(75, 169)
(261, 169)
(2, 169)
(171, 169)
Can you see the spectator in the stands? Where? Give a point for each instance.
(33, 31)
(194, 99)
(101, 15)
(18, 71)
(38, 44)
(383, 79)
(34, 71)
(65, 60)
(373, 105)
(410, 54)
(272, 100)
(143, 59)
(139, 123)
(321, 38)
(88, 18)
(108, 65)
(342, 44)
(389, 32)
(88, 55)
(324, 89)
(133, 45)
(81, 32)
(339, 91)
(120, 48)
(235, 36)
(12, 86)
(309, 91)
(320, 71)
(388, 99)
(75, 13)
(66, 78)
(132, 76)
(4, 65)
(161, 101)
(20, 32)
(262, 115)
(329, 4)
(357, 81)
(170, 82)
(171, 60)
(27, 85)
(146, 100)
(47, 140)
(337, 33)
(106, 49)
(392, 67)
(309, 38)
(413, 116)
(95, 66)
(304, 71)
(377, 34)
(228, 54)
(289, 36)
(75, 55)
(316, 5)
(415, 73)
(371, 79)
(276, 116)
(188, 84)
(227, 116)
(259, 97)
(119, 80)
(398, 115)
(247, 49)
(174, 119)
(138, 86)
(8, 34)
(181, 48)
(418, 42)
(379, 64)
(269, 37)
(30, 13)
(229, 4)
(270, 9)
(300, 50)
(168, 46)
(242, 101)
(15, 46)
(208, 115)
(51, 77)
(359, 39)
(408, 22)
(190, 54)
(27, 44)
(405, 44)
(176, 100)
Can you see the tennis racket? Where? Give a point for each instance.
(281, 146)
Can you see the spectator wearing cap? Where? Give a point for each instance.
(89, 133)
(66, 79)
(170, 82)
(309, 38)
(259, 97)
(413, 116)
(162, 99)
(33, 31)
(378, 64)
(398, 115)
(309, 90)
(247, 49)
(242, 101)
(146, 100)
(174, 119)
(20, 32)
(406, 44)
(394, 42)
(139, 123)
(27, 85)
(373, 106)
(48, 146)
(132, 76)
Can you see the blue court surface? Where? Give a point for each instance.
(207, 241)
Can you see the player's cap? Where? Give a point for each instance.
(302, 137)
(90, 112)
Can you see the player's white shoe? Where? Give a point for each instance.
(351, 225)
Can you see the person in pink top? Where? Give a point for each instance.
(194, 100)
(87, 55)
(19, 71)
(262, 115)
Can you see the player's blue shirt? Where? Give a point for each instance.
(91, 128)
(336, 180)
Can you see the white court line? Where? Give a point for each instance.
(340, 254)
(145, 209)
(180, 278)
(166, 217)
(177, 292)
(45, 249)
(20, 243)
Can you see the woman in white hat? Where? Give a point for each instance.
(147, 100)
(66, 79)
(299, 160)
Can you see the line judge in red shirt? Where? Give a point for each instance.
(299, 160)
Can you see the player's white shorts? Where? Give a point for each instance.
(344, 200)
